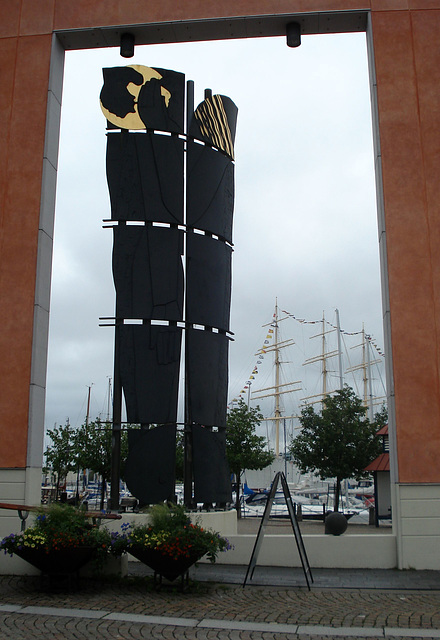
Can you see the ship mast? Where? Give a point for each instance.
(338, 329)
(365, 367)
(323, 357)
(370, 382)
(324, 360)
(277, 385)
(275, 390)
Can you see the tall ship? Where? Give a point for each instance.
(300, 362)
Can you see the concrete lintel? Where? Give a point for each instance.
(216, 29)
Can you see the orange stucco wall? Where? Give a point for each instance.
(407, 58)
(408, 80)
(23, 89)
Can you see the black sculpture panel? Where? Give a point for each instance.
(148, 272)
(208, 281)
(151, 462)
(139, 97)
(146, 174)
(145, 177)
(156, 109)
(210, 190)
(212, 479)
(115, 96)
(214, 122)
(207, 373)
(149, 371)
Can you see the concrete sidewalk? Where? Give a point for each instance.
(275, 605)
(322, 578)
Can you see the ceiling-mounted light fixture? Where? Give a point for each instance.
(293, 34)
(127, 45)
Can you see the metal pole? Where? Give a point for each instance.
(187, 435)
(277, 385)
(87, 424)
(370, 385)
(285, 449)
(116, 426)
(109, 399)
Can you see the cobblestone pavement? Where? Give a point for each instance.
(131, 609)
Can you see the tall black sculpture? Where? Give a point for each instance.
(172, 274)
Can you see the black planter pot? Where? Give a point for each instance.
(59, 561)
(165, 566)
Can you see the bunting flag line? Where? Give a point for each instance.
(375, 345)
(260, 356)
(333, 326)
(269, 336)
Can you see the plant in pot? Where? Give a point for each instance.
(60, 542)
(170, 543)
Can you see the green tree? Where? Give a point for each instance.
(60, 455)
(381, 417)
(337, 443)
(244, 449)
(94, 444)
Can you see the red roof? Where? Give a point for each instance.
(382, 463)
(383, 431)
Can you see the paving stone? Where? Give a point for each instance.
(163, 620)
(354, 632)
(64, 613)
(132, 610)
(411, 633)
(249, 626)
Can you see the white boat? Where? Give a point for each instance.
(255, 504)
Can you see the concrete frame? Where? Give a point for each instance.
(404, 79)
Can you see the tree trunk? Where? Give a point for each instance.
(237, 496)
(337, 494)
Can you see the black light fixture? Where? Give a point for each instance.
(293, 34)
(127, 45)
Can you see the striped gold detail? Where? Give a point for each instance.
(213, 122)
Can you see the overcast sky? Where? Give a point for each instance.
(305, 229)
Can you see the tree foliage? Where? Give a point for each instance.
(180, 456)
(87, 447)
(337, 443)
(95, 449)
(244, 448)
(60, 454)
(381, 417)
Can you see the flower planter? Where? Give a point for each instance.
(169, 543)
(166, 566)
(57, 561)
